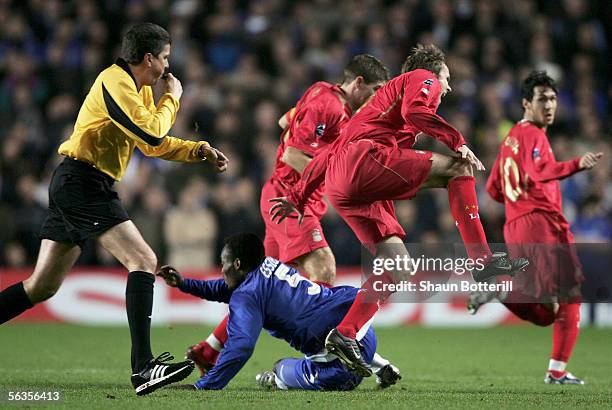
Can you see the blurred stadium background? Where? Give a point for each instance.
(244, 63)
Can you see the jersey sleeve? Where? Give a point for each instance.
(213, 290)
(309, 126)
(312, 177)
(243, 328)
(539, 163)
(127, 110)
(419, 104)
(421, 93)
(171, 148)
(494, 187)
(174, 149)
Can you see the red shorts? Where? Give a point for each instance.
(288, 241)
(554, 270)
(364, 179)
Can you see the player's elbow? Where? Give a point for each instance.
(282, 122)
(156, 129)
(290, 157)
(246, 352)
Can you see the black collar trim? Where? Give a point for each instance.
(124, 64)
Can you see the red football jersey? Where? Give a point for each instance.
(526, 175)
(315, 123)
(394, 116)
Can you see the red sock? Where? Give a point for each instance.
(212, 346)
(535, 313)
(565, 331)
(464, 207)
(366, 304)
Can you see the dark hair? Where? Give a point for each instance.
(247, 247)
(428, 57)
(534, 79)
(143, 38)
(369, 67)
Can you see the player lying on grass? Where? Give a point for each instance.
(373, 163)
(525, 178)
(264, 293)
(314, 123)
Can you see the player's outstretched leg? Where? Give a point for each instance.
(565, 334)
(342, 340)
(457, 177)
(125, 243)
(305, 374)
(54, 260)
(206, 353)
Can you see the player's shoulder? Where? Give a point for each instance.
(116, 76)
(419, 76)
(526, 130)
(318, 89)
(325, 98)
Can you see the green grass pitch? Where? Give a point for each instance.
(442, 368)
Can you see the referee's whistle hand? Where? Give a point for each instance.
(173, 85)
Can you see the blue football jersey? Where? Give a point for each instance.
(277, 298)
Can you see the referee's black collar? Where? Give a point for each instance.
(124, 64)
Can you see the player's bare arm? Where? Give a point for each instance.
(295, 158)
(589, 160)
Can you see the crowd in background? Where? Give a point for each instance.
(244, 63)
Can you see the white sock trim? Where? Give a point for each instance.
(214, 342)
(362, 332)
(556, 365)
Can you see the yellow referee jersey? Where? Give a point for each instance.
(115, 117)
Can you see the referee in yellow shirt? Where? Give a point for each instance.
(118, 115)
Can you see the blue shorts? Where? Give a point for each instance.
(306, 374)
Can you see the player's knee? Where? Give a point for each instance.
(327, 274)
(401, 275)
(38, 291)
(461, 168)
(321, 265)
(144, 261)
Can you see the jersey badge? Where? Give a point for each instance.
(320, 130)
(316, 235)
(536, 154)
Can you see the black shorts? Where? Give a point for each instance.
(82, 204)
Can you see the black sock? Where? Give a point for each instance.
(13, 301)
(139, 305)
